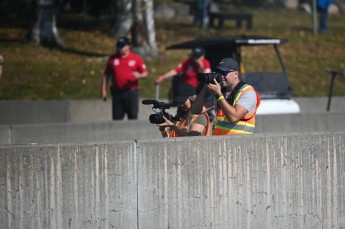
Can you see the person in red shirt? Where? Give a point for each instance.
(125, 68)
(189, 67)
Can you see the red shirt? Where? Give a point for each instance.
(191, 70)
(121, 68)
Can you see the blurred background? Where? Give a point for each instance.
(57, 49)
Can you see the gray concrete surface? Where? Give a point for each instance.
(144, 130)
(84, 121)
(63, 111)
(259, 181)
(319, 104)
(6, 135)
(300, 123)
(28, 112)
(83, 132)
(78, 111)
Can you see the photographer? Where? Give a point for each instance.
(188, 124)
(235, 111)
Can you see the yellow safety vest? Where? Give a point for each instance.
(246, 125)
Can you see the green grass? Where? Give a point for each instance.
(34, 72)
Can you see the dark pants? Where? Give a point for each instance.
(125, 102)
(323, 18)
(201, 12)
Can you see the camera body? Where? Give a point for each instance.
(206, 78)
(157, 117)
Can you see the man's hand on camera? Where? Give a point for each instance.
(214, 88)
(167, 123)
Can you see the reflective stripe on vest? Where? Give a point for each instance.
(238, 127)
(244, 126)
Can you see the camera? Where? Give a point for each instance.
(206, 78)
(157, 117)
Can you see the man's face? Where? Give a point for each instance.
(197, 57)
(229, 78)
(123, 50)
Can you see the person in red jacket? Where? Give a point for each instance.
(125, 68)
(189, 67)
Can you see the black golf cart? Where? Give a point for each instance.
(273, 86)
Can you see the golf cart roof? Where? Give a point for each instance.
(236, 40)
(269, 84)
(218, 47)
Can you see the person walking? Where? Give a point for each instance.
(236, 107)
(125, 69)
(188, 124)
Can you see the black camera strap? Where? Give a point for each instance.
(234, 92)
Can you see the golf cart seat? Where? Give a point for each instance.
(270, 85)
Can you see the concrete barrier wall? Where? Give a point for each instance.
(319, 104)
(79, 111)
(91, 186)
(259, 181)
(144, 130)
(300, 123)
(81, 133)
(30, 112)
(62, 111)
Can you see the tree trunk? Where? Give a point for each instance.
(44, 30)
(135, 18)
(151, 32)
(123, 17)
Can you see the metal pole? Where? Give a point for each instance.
(334, 74)
(157, 92)
(315, 22)
(280, 58)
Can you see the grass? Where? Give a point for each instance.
(34, 72)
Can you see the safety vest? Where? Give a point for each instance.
(246, 125)
(173, 134)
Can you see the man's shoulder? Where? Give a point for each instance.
(246, 86)
(133, 55)
(206, 61)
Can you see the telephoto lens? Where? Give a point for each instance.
(206, 78)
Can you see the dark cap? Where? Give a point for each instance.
(183, 92)
(198, 52)
(228, 64)
(122, 41)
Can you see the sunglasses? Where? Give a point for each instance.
(225, 73)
